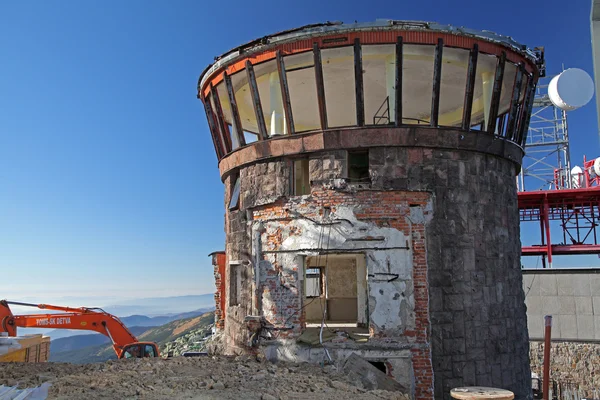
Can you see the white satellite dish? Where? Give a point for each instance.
(596, 166)
(576, 177)
(572, 89)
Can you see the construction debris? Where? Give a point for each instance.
(189, 378)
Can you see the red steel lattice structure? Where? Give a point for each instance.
(577, 209)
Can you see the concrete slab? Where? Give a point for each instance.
(565, 285)
(550, 305)
(548, 286)
(584, 305)
(566, 327)
(371, 378)
(566, 304)
(581, 285)
(585, 326)
(535, 325)
(597, 327)
(534, 304)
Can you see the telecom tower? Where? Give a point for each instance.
(550, 187)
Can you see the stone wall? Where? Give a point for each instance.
(478, 318)
(574, 366)
(455, 211)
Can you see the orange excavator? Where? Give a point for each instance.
(124, 342)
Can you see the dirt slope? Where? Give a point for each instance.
(188, 378)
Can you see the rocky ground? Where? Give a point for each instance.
(209, 377)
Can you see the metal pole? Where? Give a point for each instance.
(547, 337)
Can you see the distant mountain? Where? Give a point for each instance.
(160, 306)
(161, 335)
(80, 341)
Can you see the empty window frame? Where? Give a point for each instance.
(301, 177)
(358, 166)
(234, 201)
(314, 282)
(235, 284)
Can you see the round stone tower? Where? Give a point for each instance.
(370, 199)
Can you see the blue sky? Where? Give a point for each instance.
(108, 180)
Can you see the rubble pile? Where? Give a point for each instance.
(209, 377)
(194, 340)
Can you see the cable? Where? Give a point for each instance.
(534, 276)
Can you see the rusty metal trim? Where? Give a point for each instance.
(496, 93)
(514, 103)
(285, 94)
(437, 79)
(526, 111)
(211, 126)
(235, 115)
(398, 81)
(320, 86)
(260, 117)
(470, 88)
(225, 135)
(358, 84)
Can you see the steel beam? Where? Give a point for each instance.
(398, 82)
(320, 86)
(358, 84)
(514, 104)
(496, 93)
(470, 88)
(258, 111)
(235, 115)
(285, 94)
(212, 127)
(437, 79)
(225, 135)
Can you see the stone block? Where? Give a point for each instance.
(567, 327)
(566, 304)
(534, 304)
(596, 303)
(550, 305)
(360, 370)
(585, 327)
(565, 285)
(595, 285)
(548, 286)
(584, 305)
(535, 325)
(581, 285)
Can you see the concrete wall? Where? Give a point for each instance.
(571, 296)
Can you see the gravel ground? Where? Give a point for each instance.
(188, 378)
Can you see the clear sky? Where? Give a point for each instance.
(108, 180)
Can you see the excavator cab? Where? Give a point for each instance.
(139, 350)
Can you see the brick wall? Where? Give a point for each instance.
(218, 261)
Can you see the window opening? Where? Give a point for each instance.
(314, 282)
(358, 166)
(301, 177)
(380, 365)
(234, 201)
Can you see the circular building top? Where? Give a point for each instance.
(385, 73)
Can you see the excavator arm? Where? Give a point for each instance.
(124, 342)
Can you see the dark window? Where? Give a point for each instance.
(234, 201)
(358, 166)
(301, 181)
